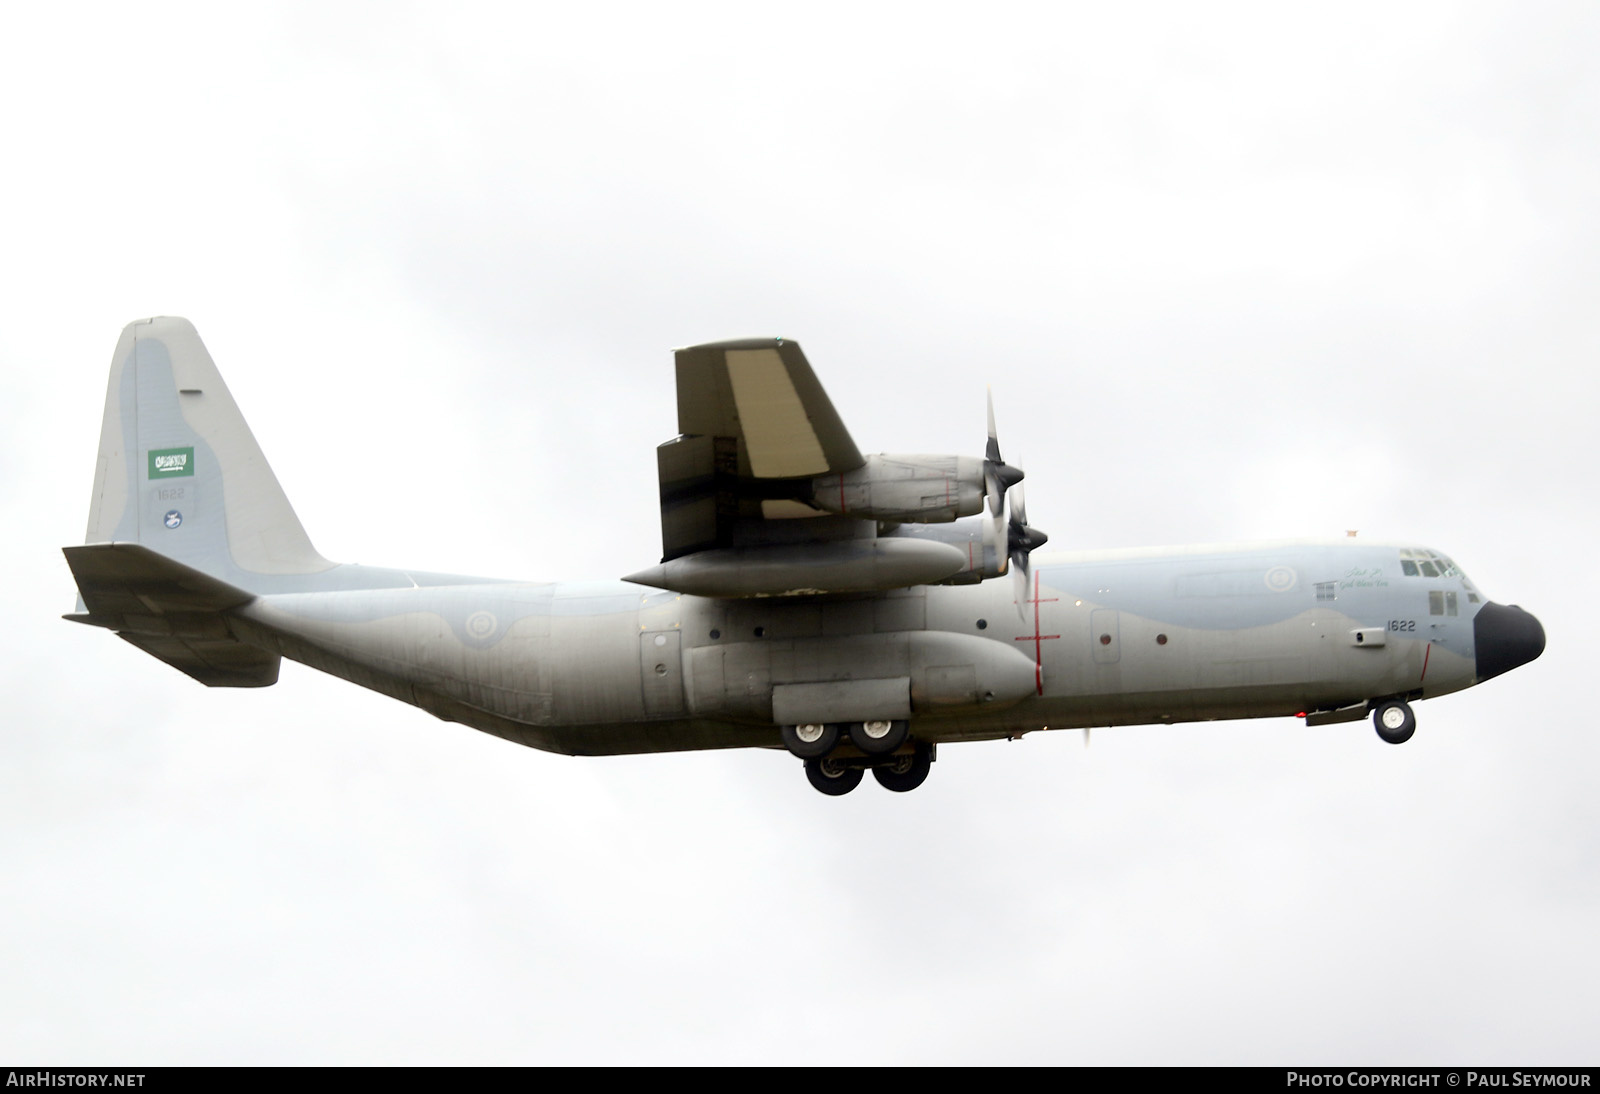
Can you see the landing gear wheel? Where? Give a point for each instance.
(832, 777)
(810, 740)
(1394, 721)
(879, 738)
(905, 772)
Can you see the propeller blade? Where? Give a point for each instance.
(992, 451)
(996, 540)
(1019, 584)
(1021, 540)
(998, 476)
(1016, 505)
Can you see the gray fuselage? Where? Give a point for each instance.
(1104, 638)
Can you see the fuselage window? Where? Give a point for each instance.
(1327, 590)
(1450, 603)
(1436, 603)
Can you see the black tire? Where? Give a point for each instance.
(905, 772)
(879, 738)
(832, 777)
(1394, 721)
(810, 741)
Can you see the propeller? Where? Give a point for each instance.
(998, 476)
(1020, 542)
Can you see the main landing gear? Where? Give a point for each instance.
(838, 756)
(1394, 721)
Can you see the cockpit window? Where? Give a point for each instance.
(1421, 562)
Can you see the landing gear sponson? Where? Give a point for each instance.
(898, 763)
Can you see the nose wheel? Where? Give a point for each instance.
(1394, 721)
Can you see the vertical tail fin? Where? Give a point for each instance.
(179, 470)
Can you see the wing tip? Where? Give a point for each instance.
(737, 344)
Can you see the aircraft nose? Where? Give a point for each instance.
(1504, 637)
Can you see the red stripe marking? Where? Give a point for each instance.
(841, 492)
(1036, 638)
(1425, 656)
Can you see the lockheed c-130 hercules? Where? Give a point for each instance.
(808, 598)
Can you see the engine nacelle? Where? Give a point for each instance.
(919, 489)
(981, 539)
(843, 566)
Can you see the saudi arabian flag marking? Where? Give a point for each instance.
(171, 463)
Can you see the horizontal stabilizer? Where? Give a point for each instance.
(215, 662)
(169, 610)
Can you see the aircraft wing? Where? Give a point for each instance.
(753, 423)
(764, 493)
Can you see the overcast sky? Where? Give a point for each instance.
(1234, 271)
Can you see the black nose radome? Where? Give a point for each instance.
(1505, 638)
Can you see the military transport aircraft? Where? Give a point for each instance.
(809, 598)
